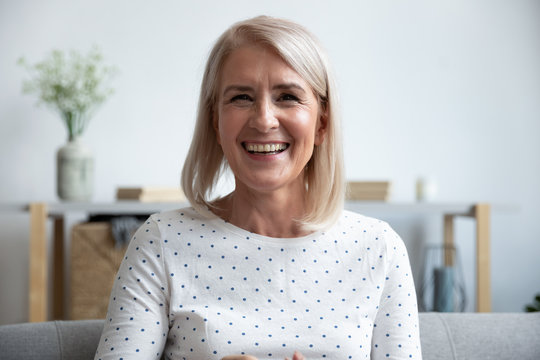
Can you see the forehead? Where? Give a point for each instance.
(255, 63)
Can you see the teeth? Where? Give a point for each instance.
(265, 148)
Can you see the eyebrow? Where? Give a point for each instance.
(286, 86)
(289, 86)
(237, 88)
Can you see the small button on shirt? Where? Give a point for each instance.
(192, 286)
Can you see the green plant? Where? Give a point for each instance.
(73, 85)
(535, 306)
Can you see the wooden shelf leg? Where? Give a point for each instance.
(58, 280)
(37, 299)
(483, 255)
(449, 240)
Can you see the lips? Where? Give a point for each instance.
(265, 148)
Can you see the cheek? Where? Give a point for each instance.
(304, 127)
(229, 126)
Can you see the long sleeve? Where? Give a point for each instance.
(136, 326)
(396, 333)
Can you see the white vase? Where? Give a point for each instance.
(75, 171)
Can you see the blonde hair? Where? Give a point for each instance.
(324, 174)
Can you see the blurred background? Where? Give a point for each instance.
(448, 90)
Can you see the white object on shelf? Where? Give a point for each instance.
(75, 172)
(426, 189)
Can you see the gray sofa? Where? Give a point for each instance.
(444, 336)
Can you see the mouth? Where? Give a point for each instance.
(265, 149)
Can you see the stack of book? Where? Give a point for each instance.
(368, 190)
(150, 194)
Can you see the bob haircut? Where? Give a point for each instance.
(324, 173)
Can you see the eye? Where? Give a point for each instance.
(241, 98)
(288, 97)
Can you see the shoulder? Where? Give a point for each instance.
(170, 218)
(162, 222)
(183, 222)
(369, 229)
(176, 214)
(160, 228)
(358, 222)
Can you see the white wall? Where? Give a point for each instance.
(449, 89)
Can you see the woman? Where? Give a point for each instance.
(276, 268)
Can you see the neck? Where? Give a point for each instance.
(270, 214)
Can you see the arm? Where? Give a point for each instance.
(137, 323)
(395, 332)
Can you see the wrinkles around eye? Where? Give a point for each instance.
(288, 97)
(241, 98)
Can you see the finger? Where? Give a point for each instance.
(298, 356)
(239, 357)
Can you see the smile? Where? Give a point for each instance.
(265, 149)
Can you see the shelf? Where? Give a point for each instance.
(411, 208)
(40, 212)
(362, 207)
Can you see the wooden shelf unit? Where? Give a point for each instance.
(40, 212)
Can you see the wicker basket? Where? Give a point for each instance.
(94, 264)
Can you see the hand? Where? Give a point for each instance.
(296, 356)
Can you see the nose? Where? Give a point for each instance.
(264, 117)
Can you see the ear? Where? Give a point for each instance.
(215, 125)
(322, 127)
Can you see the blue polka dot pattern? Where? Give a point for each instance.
(193, 286)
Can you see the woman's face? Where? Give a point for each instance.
(267, 120)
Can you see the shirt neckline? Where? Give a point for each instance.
(251, 236)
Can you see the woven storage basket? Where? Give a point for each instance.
(94, 263)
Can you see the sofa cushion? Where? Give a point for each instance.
(444, 336)
(50, 340)
(480, 336)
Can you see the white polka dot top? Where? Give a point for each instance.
(197, 288)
